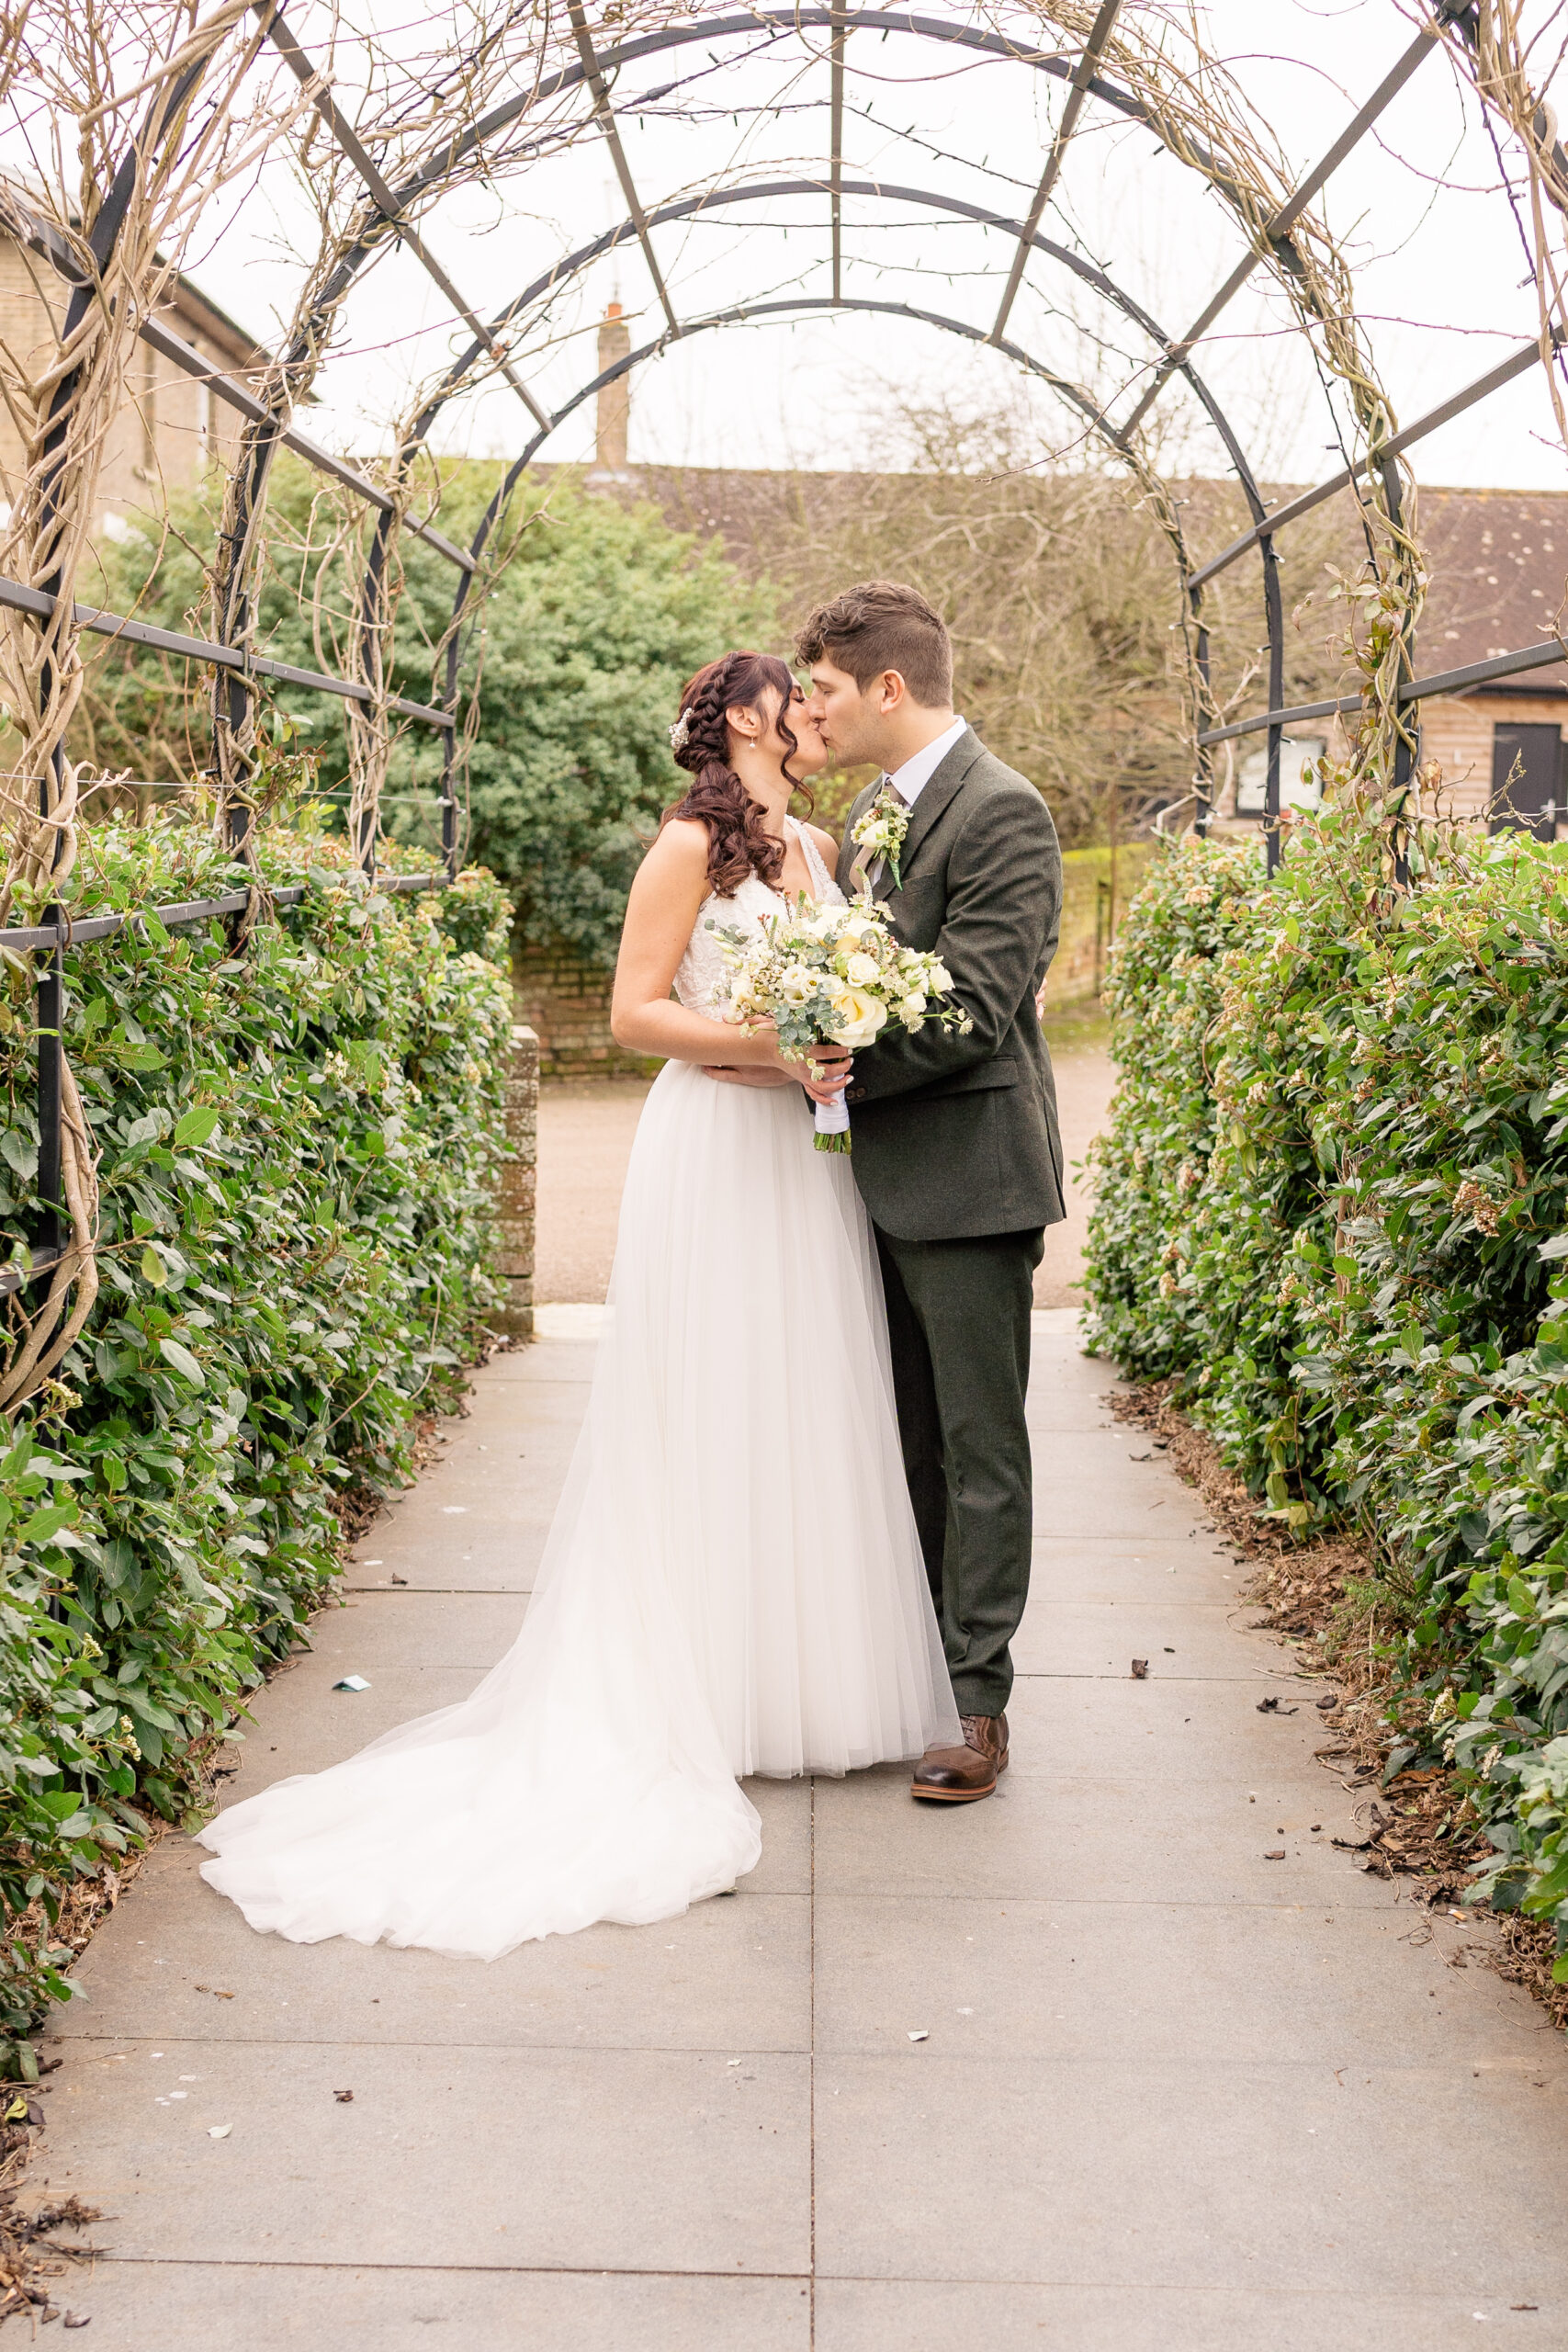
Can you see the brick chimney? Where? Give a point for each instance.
(615, 400)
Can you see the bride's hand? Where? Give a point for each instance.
(829, 1074)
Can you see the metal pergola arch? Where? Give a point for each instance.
(1271, 240)
(1094, 417)
(386, 217)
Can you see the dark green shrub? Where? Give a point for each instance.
(299, 1140)
(1331, 1203)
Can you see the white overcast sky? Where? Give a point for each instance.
(1435, 251)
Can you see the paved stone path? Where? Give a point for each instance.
(1170, 2095)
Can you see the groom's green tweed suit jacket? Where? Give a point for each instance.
(957, 1136)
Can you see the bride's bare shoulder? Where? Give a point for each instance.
(827, 847)
(679, 852)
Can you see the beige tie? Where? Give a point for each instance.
(863, 878)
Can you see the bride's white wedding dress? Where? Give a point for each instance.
(732, 1583)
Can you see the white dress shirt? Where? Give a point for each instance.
(910, 781)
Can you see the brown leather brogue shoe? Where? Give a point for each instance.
(961, 1775)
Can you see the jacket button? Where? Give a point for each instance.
(854, 1094)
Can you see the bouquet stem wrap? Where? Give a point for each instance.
(833, 1126)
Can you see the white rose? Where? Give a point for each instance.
(857, 1017)
(939, 978)
(796, 982)
(862, 970)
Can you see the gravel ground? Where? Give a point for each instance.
(585, 1134)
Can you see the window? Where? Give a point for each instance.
(1297, 789)
(1526, 780)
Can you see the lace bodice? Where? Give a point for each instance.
(703, 975)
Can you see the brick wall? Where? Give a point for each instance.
(519, 1186)
(567, 1004)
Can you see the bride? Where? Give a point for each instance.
(733, 1582)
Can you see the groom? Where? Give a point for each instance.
(957, 1152)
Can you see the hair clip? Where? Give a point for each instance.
(679, 732)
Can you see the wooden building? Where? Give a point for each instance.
(1498, 562)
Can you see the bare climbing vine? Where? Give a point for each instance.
(136, 116)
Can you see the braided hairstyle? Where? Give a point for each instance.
(739, 842)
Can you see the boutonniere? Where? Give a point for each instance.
(882, 829)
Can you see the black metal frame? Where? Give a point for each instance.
(387, 217)
(595, 69)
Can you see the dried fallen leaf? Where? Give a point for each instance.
(1275, 1854)
(78, 2319)
(1139, 1669)
(397, 1580)
(344, 2098)
(213, 1989)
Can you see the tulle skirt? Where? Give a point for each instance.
(732, 1584)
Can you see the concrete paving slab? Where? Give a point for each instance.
(262, 2307)
(1222, 2100)
(413, 1628)
(1086, 1570)
(1162, 1729)
(1092, 1840)
(580, 2159)
(1290, 2178)
(785, 1809)
(546, 1360)
(731, 1974)
(1065, 2315)
(1221, 1987)
(1086, 1484)
(479, 1517)
(301, 1724)
(1187, 1640)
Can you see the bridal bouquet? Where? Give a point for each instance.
(826, 974)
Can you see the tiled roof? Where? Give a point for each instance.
(1499, 567)
(1498, 558)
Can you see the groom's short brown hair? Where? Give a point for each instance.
(882, 624)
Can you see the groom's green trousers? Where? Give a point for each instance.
(958, 1320)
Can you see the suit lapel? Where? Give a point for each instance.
(937, 791)
(846, 852)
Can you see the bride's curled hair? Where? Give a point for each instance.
(738, 842)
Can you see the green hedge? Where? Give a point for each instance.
(299, 1145)
(1332, 1204)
